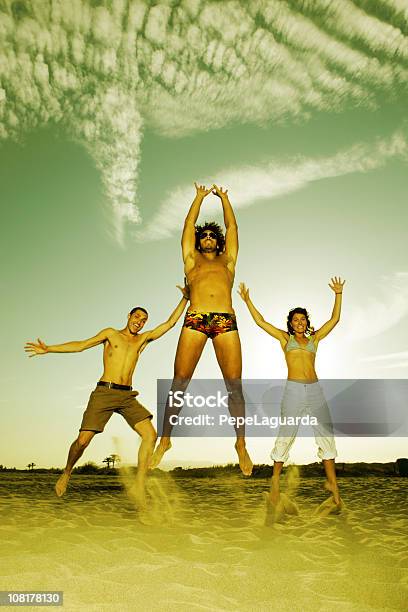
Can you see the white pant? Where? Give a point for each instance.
(300, 399)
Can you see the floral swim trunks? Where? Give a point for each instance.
(210, 323)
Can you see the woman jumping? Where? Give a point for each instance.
(302, 394)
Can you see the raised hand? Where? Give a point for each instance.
(337, 284)
(243, 292)
(185, 290)
(36, 348)
(202, 190)
(218, 191)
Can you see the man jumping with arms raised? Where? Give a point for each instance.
(209, 265)
(113, 392)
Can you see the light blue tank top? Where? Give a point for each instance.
(294, 344)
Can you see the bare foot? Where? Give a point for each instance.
(328, 507)
(245, 462)
(163, 446)
(62, 483)
(288, 505)
(334, 490)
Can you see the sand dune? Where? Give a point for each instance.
(209, 547)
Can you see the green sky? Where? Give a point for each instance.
(96, 175)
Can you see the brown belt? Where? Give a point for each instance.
(111, 385)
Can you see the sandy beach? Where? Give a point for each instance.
(212, 545)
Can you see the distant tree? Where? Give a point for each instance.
(114, 458)
(31, 466)
(108, 461)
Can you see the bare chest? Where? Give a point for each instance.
(214, 269)
(120, 349)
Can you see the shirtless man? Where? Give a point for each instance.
(113, 392)
(302, 391)
(210, 269)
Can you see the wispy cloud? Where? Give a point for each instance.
(388, 356)
(251, 184)
(381, 311)
(389, 361)
(397, 365)
(103, 72)
(386, 362)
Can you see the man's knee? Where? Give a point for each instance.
(150, 436)
(84, 439)
(147, 433)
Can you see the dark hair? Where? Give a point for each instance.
(299, 310)
(214, 227)
(138, 308)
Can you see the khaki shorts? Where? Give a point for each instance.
(104, 401)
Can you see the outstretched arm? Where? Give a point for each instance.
(231, 234)
(40, 348)
(337, 287)
(188, 236)
(273, 331)
(161, 329)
